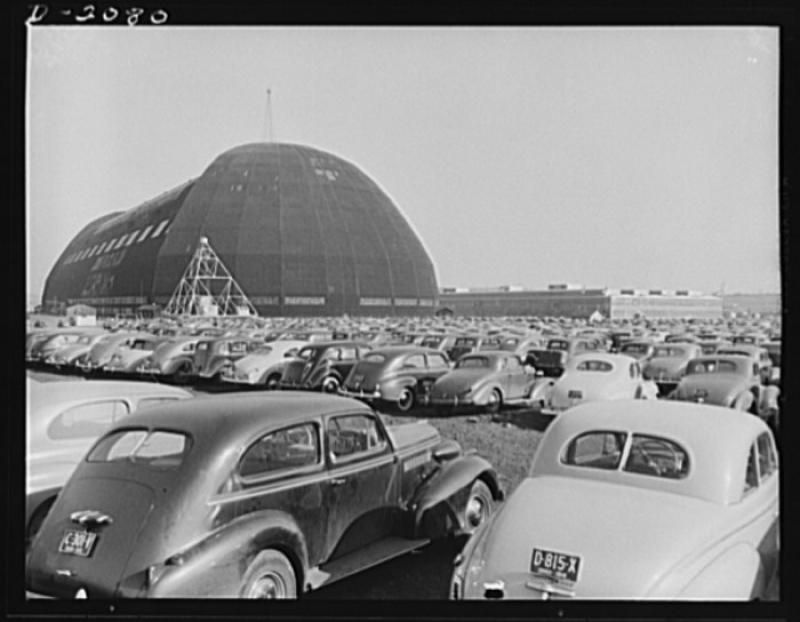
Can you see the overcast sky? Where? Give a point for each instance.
(619, 157)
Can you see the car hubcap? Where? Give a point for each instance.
(405, 400)
(268, 586)
(476, 510)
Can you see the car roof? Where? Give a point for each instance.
(401, 350)
(242, 413)
(717, 439)
(58, 391)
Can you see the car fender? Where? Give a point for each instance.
(173, 364)
(743, 401)
(768, 399)
(737, 573)
(217, 364)
(542, 389)
(446, 492)
(220, 560)
(480, 393)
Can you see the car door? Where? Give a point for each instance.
(362, 490)
(414, 366)
(516, 381)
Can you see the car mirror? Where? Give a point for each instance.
(447, 450)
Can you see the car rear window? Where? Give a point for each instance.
(557, 344)
(155, 448)
(374, 357)
(594, 366)
(668, 352)
(472, 362)
(656, 456)
(638, 348)
(710, 367)
(599, 449)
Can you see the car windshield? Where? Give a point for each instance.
(667, 352)
(733, 352)
(466, 341)
(431, 342)
(142, 345)
(557, 344)
(594, 365)
(155, 448)
(711, 367)
(472, 362)
(637, 348)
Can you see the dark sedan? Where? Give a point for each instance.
(322, 366)
(400, 375)
(249, 496)
(487, 379)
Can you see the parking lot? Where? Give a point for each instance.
(507, 438)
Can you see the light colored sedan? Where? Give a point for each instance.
(598, 376)
(64, 419)
(636, 500)
(264, 367)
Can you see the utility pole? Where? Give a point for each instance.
(268, 121)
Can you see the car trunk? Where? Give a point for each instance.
(127, 505)
(644, 534)
(365, 375)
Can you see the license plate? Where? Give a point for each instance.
(575, 395)
(77, 543)
(555, 566)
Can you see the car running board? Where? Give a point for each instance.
(366, 557)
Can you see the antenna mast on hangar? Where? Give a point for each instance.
(207, 288)
(268, 121)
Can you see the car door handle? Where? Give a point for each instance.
(338, 481)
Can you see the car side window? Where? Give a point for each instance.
(766, 457)
(189, 347)
(289, 448)
(416, 361)
(353, 436)
(599, 449)
(348, 354)
(87, 420)
(751, 475)
(437, 361)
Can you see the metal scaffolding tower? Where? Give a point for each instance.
(207, 288)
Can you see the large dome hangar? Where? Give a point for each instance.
(303, 232)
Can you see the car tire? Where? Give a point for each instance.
(478, 507)
(495, 402)
(405, 401)
(330, 385)
(37, 519)
(270, 575)
(272, 382)
(181, 375)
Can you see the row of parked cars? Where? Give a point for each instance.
(490, 370)
(271, 494)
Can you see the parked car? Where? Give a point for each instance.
(171, 360)
(101, 352)
(548, 363)
(520, 345)
(640, 349)
(598, 376)
(756, 353)
(731, 381)
(489, 380)
(668, 363)
(253, 496)
(322, 366)
(64, 418)
(635, 500)
(212, 355)
(64, 357)
(441, 342)
(398, 375)
(467, 344)
(264, 366)
(51, 341)
(710, 346)
(127, 356)
(573, 346)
